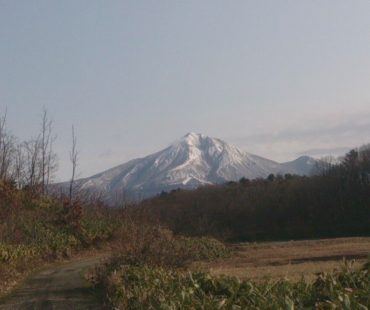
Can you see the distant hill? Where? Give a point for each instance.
(302, 165)
(194, 160)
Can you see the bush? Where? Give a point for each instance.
(204, 248)
(157, 246)
(9, 200)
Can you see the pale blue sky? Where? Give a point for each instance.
(275, 78)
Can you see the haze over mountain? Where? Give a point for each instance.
(194, 160)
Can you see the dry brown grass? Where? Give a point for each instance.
(291, 259)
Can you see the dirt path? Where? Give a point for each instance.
(57, 288)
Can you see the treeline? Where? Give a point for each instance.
(333, 202)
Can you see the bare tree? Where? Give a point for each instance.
(324, 165)
(73, 155)
(19, 166)
(7, 149)
(32, 162)
(33, 159)
(48, 160)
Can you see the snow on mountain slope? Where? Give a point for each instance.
(194, 160)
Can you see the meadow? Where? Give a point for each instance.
(290, 260)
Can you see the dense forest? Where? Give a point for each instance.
(334, 201)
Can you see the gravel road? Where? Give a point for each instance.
(57, 288)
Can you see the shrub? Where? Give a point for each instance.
(204, 248)
(95, 229)
(157, 246)
(9, 200)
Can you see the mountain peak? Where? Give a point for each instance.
(191, 134)
(194, 139)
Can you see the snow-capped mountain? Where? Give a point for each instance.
(194, 160)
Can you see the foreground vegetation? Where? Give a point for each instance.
(147, 286)
(36, 229)
(334, 202)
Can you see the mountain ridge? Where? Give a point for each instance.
(194, 160)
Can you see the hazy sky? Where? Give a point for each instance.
(276, 78)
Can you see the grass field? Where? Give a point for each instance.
(288, 260)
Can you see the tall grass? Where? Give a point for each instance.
(149, 287)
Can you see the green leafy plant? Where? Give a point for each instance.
(149, 287)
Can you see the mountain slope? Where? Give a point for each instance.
(302, 165)
(194, 160)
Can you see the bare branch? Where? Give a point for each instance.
(49, 160)
(73, 155)
(7, 149)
